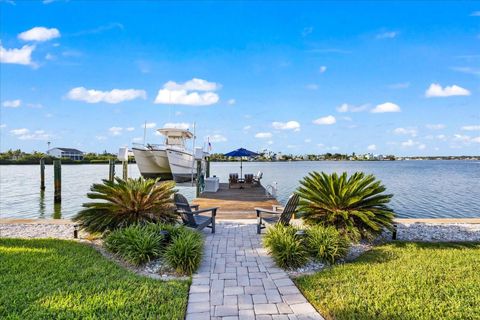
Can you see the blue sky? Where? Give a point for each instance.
(296, 77)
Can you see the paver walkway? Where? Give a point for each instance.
(238, 280)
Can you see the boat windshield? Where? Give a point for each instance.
(175, 141)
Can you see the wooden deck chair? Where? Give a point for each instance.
(232, 180)
(248, 179)
(274, 216)
(191, 218)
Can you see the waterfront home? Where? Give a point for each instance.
(72, 154)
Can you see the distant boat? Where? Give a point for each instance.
(172, 160)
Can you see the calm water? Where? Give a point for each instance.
(422, 189)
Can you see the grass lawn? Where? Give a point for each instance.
(57, 279)
(401, 280)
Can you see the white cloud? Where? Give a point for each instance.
(137, 139)
(387, 35)
(476, 139)
(26, 134)
(113, 96)
(306, 31)
(436, 90)
(328, 120)
(115, 131)
(467, 70)
(307, 140)
(406, 131)
(166, 96)
(130, 129)
(345, 107)
(3, 125)
(461, 137)
(148, 125)
(178, 113)
(409, 143)
(179, 125)
(246, 128)
(312, 86)
(192, 85)
(422, 146)
(290, 125)
(400, 85)
(471, 128)
(18, 132)
(438, 126)
(187, 93)
(39, 34)
(386, 107)
(21, 56)
(231, 102)
(217, 138)
(322, 69)
(101, 138)
(270, 142)
(475, 14)
(372, 147)
(263, 135)
(12, 103)
(441, 137)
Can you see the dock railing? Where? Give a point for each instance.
(271, 190)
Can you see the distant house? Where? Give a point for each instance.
(70, 153)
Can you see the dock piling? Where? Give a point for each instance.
(199, 178)
(125, 170)
(42, 174)
(207, 170)
(111, 169)
(57, 181)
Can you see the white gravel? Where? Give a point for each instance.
(33, 230)
(437, 232)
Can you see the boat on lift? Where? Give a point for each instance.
(172, 160)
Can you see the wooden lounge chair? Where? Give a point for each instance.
(232, 180)
(248, 179)
(274, 216)
(191, 218)
(258, 177)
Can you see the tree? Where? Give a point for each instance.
(355, 205)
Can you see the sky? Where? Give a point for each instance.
(291, 77)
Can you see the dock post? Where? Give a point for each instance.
(57, 181)
(42, 174)
(199, 178)
(207, 170)
(125, 170)
(111, 169)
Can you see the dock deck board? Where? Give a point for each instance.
(236, 203)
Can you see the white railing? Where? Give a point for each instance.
(271, 190)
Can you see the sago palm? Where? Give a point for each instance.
(126, 202)
(355, 205)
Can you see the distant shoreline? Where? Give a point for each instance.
(105, 162)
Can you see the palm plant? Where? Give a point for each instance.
(356, 206)
(126, 202)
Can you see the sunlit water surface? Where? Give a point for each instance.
(422, 189)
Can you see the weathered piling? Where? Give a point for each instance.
(199, 178)
(111, 169)
(125, 170)
(42, 174)
(207, 170)
(57, 181)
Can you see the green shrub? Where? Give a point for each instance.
(326, 244)
(287, 250)
(136, 244)
(184, 253)
(354, 205)
(126, 202)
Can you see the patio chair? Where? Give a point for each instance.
(232, 180)
(248, 179)
(191, 218)
(258, 177)
(274, 216)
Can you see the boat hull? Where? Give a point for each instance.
(182, 165)
(153, 163)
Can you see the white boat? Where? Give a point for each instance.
(169, 161)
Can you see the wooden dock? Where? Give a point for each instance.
(236, 203)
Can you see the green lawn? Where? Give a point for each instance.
(56, 279)
(401, 280)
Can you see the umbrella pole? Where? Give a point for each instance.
(241, 173)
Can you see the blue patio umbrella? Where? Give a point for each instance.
(242, 152)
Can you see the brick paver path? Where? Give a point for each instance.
(238, 280)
